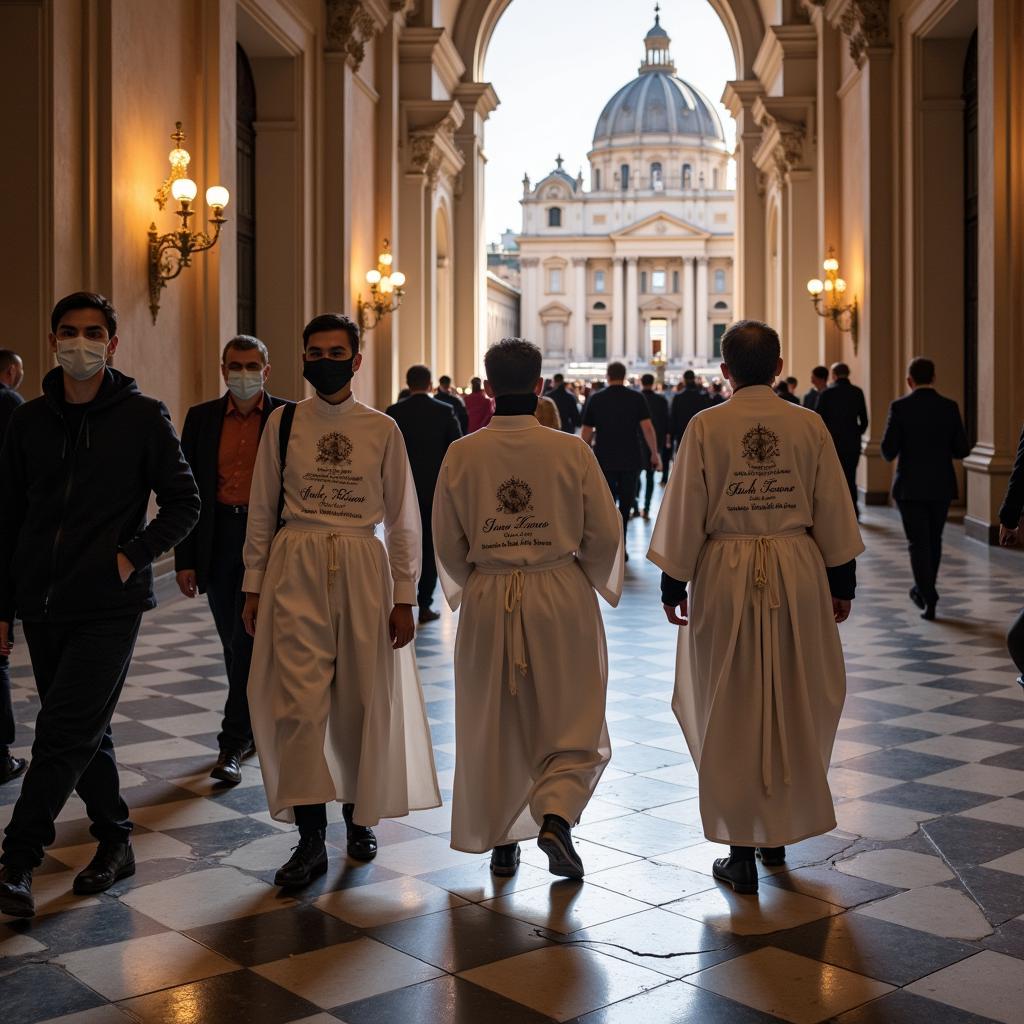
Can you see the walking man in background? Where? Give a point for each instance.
(925, 433)
(841, 405)
(220, 440)
(689, 400)
(444, 393)
(568, 407)
(657, 406)
(819, 381)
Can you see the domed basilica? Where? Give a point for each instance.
(639, 268)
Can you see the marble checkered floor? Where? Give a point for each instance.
(912, 911)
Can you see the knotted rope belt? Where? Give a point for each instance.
(334, 534)
(766, 602)
(515, 587)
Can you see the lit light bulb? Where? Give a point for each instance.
(398, 279)
(184, 190)
(384, 259)
(815, 286)
(386, 286)
(179, 158)
(217, 197)
(828, 286)
(830, 264)
(373, 277)
(840, 285)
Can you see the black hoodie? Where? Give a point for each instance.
(75, 483)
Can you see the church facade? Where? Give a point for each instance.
(640, 266)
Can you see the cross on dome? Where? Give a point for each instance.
(559, 161)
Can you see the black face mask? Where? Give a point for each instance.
(328, 376)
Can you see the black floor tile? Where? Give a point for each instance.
(146, 708)
(900, 764)
(1009, 758)
(832, 886)
(221, 836)
(85, 927)
(1007, 938)
(880, 735)
(906, 1008)
(964, 842)
(989, 709)
(135, 732)
(996, 733)
(676, 1003)
(920, 796)
(158, 791)
(35, 992)
(1000, 893)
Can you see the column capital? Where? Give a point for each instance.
(579, 261)
(632, 260)
(351, 24)
(866, 23)
(529, 261)
(618, 260)
(702, 261)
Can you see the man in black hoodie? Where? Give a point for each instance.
(78, 465)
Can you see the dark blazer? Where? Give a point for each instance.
(1013, 504)
(841, 405)
(428, 426)
(9, 401)
(925, 432)
(657, 406)
(568, 408)
(200, 442)
(685, 405)
(811, 399)
(458, 407)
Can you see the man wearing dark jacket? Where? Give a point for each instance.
(925, 432)
(428, 427)
(79, 465)
(819, 381)
(220, 439)
(841, 405)
(445, 394)
(686, 404)
(568, 407)
(657, 406)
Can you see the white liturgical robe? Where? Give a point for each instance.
(756, 508)
(525, 530)
(337, 714)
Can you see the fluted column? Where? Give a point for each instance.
(578, 345)
(688, 304)
(618, 305)
(631, 310)
(702, 307)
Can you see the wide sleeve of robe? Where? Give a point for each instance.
(601, 550)
(681, 530)
(402, 529)
(835, 528)
(264, 496)
(451, 543)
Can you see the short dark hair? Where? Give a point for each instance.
(475, 384)
(820, 373)
(616, 371)
(445, 381)
(84, 300)
(513, 366)
(647, 380)
(921, 370)
(751, 350)
(246, 343)
(558, 379)
(418, 377)
(792, 381)
(324, 322)
(8, 358)
(841, 369)
(689, 375)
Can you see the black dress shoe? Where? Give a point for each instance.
(111, 862)
(772, 856)
(505, 860)
(929, 613)
(740, 874)
(16, 892)
(555, 840)
(362, 843)
(1020, 681)
(11, 768)
(428, 615)
(308, 861)
(915, 596)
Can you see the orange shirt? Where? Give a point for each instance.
(236, 457)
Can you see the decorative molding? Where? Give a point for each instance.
(351, 24)
(866, 25)
(431, 147)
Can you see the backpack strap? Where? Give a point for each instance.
(284, 432)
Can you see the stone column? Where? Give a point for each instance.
(702, 345)
(577, 343)
(688, 303)
(615, 348)
(631, 310)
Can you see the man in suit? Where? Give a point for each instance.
(925, 432)
(841, 405)
(568, 407)
(657, 406)
(444, 393)
(428, 426)
(220, 439)
(688, 401)
(819, 381)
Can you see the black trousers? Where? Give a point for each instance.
(224, 593)
(80, 668)
(428, 570)
(1015, 642)
(923, 522)
(310, 817)
(6, 707)
(649, 475)
(666, 461)
(849, 460)
(622, 483)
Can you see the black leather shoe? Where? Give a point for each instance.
(16, 892)
(929, 613)
(1020, 681)
(915, 596)
(111, 862)
(505, 860)
(308, 861)
(362, 843)
(428, 615)
(740, 874)
(11, 768)
(772, 856)
(229, 764)
(555, 840)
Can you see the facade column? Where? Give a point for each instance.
(528, 326)
(631, 311)
(702, 345)
(615, 348)
(577, 345)
(689, 303)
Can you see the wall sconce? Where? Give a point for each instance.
(171, 253)
(827, 297)
(387, 287)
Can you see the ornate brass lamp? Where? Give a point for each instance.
(827, 297)
(387, 288)
(171, 253)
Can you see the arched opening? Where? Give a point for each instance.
(245, 190)
(555, 217)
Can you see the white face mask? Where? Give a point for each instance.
(245, 384)
(81, 358)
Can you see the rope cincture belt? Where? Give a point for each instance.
(766, 600)
(334, 534)
(515, 586)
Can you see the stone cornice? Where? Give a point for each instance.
(477, 98)
(740, 94)
(784, 144)
(430, 138)
(781, 43)
(435, 46)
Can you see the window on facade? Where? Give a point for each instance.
(600, 305)
(597, 179)
(687, 176)
(716, 340)
(643, 282)
(719, 280)
(721, 305)
(714, 178)
(555, 217)
(555, 279)
(675, 280)
(658, 278)
(598, 280)
(656, 181)
(554, 336)
(599, 341)
(624, 176)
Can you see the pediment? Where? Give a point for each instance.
(555, 311)
(662, 225)
(660, 304)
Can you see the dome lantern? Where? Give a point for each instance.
(656, 48)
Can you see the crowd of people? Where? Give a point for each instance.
(315, 528)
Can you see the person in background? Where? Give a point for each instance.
(568, 408)
(841, 405)
(79, 466)
(690, 399)
(445, 393)
(657, 406)
(785, 390)
(819, 381)
(479, 410)
(1010, 536)
(547, 413)
(12, 372)
(925, 433)
(716, 397)
(220, 439)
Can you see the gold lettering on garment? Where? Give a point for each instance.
(332, 489)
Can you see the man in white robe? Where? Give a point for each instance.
(756, 520)
(525, 530)
(335, 699)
